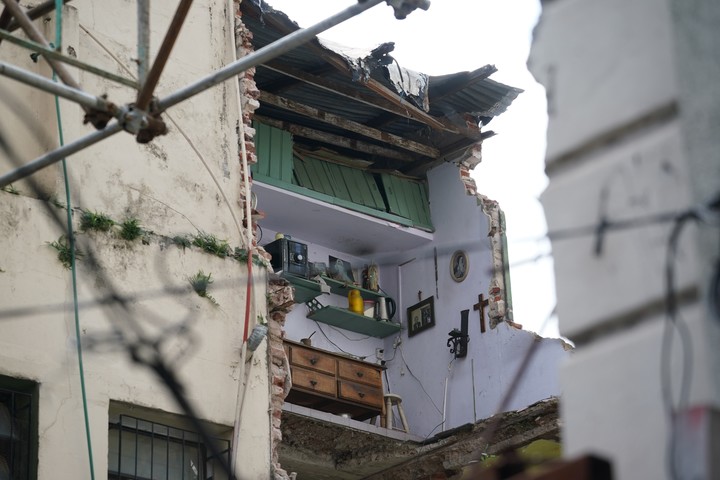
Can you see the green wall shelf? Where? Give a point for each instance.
(343, 318)
(307, 290)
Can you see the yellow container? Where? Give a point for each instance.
(355, 302)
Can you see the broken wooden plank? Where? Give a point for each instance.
(340, 141)
(340, 89)
(350, 125)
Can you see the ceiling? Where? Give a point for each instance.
(335, 227)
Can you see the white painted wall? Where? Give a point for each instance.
(652, 54)
(599, 68)
(165, 186)
(647, 176)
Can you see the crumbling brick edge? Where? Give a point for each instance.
(280, 302)
(279, 294)
(500, 306)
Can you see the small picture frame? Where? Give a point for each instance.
(340, 270)
(421, 316)
(459, 265)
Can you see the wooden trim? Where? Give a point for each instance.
(349, 125)
(336, 140)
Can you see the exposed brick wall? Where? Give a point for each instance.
(497, 303)
(280, 302)
(280, 293)
(249, 95)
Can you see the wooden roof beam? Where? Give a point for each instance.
(336, 140)
(456, 152)
(334, 87)
(349, 125)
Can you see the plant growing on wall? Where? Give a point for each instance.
(95, 221)
(64, 253)
(130, 229)
(200, 283)
(10, 189)
(211, 244)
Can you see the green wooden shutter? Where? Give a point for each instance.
(273, 148)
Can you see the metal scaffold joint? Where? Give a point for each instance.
(403, 8)
(144, 125)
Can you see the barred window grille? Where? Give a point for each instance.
(16, 435)
(144, 450)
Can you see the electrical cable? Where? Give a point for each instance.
(402, 355)
(71, 244)
(331, 342)
(338, 330)
(672, 323)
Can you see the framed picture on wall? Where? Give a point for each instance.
(340, 270)
(459, 265)
(421, 316)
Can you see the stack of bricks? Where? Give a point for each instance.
(280, 301)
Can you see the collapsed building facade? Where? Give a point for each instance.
(184, 256)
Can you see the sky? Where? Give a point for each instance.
(463, 35)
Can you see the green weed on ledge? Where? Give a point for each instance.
(211, 244)
(130, 229)
(95, 221)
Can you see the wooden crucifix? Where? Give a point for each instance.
(482, 303)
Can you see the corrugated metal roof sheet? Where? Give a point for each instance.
(460, 99)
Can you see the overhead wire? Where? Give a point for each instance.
(674, 322)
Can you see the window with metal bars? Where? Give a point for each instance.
(17, 429)
(144, 450)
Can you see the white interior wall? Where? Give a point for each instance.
(422, 363)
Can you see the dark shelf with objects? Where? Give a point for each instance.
(307, 291)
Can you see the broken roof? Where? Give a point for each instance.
(364, 105)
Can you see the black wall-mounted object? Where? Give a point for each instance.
(459, 338)
(289, 256)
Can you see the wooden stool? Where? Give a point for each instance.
(390, 400)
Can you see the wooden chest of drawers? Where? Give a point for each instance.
(334, 383)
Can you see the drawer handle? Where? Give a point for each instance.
(361, 395)
(359, 374)
(313, 382)
(313, 361)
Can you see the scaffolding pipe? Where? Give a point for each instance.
(265, 54)
(143, 39)
(64, 91)
(35, 13)
(31, 31)
(153, 77)
(58, 154)
(47, 52)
